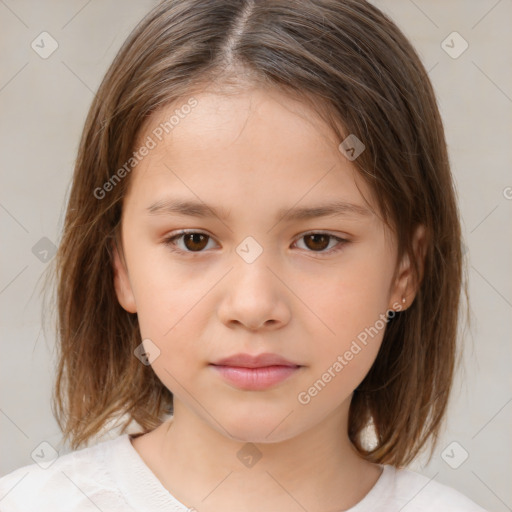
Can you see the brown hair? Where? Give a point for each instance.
(357, 68)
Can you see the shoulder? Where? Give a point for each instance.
(419, 493)
(76, 481)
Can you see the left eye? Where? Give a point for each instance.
(320, 241)
(196, 242)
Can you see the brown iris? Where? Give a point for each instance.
(320, 241)
(195, 241)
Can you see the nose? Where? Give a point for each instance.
(254, 297)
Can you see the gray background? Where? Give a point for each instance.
(44, 103)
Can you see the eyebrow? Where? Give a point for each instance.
(176, 206)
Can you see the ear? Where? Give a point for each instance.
(406, 282)
(122, 281)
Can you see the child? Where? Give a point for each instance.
(227, 140)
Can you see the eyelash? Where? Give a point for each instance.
(169, 242)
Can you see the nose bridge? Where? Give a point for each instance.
(253, 295)
(250, 249)
(252, 260)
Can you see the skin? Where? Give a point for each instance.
(253, 153)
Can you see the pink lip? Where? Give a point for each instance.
(255, 372)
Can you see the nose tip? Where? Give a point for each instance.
(254, 298)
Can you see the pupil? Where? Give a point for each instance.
(316, 238)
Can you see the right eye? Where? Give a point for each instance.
(192, 241)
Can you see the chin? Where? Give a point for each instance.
(257, 427)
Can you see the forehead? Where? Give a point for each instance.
(258, 142)
(229, 113)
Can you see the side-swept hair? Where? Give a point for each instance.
(361, 74)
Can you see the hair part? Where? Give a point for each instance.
(359, 72)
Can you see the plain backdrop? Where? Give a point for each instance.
(43, 104)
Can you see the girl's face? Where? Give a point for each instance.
(273, 268)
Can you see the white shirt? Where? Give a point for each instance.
(112, 477)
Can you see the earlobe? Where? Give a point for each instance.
(122, 282)
(407, 282)
(403, 294)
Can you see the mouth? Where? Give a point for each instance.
(255, 373)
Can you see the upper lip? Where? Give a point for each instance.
(258, 361)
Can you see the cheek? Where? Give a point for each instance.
(170, 313)
(174, 318)
(352, 308)
(353, 300)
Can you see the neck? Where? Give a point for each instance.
(316, 470)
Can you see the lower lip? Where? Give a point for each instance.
(255, 378)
